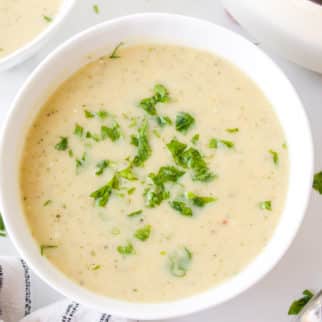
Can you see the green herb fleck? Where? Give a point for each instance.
(297, 306)
(101, 114)
(163, 120)
(143, 233)
(113, 133)
(135, 213)
(161, 95)
(79, 130)
(180, 261)
(274, 155)
(70, 153)
(47, 202)
(144, 149)
(216, 143)
(233, 130)
(102, 195)
(43, 248)
(81, 162)
(166, 174)
(266, 205)
(96, 8)
(114, 54)
(199, 201)
(184, 121)
(101, 166)
(317, 182)
(131, 191)
(284, 145)
(62, 145)
(94, 267)
(128, 249)
(155, 195)
(181, 207)
(128, 174)
(89, 114)
(195, 139)
(93, 136)
(2, 227)
(47, 18)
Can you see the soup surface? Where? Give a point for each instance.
(22, 20)
(154, 173)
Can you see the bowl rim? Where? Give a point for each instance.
(147, 311)
(31, 47)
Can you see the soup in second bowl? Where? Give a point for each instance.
(22, 20)
(154, 173)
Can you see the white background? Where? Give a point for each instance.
(301, 267)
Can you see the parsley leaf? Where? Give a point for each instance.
(47, 202)
(92, 136)
(155, 195)
(163, 121)
(216, 143)
(181, 207)
(114, 54)
(195, 139)
(144, 149)
(79, 130)
(143, 233)
(2, 227)
(62, 145)
(199, 201)
(113, 133)
(47, 18)
(179, 262)
(266, 205)
(82, 161)
(161, 95)
(274, 155)
(45, 247)
(135, 213)
(184, 121)
(317, 182)
(297, 306)
(96, 8)
(101, 166)
(166, 174)
(128, 249)
(233, 130)
(128, 174)
(102, 195)
(101, 114)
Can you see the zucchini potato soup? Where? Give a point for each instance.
(23, 20)
(154, 173)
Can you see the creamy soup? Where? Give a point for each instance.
(22, 20)
(154, 173)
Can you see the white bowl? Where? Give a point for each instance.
(291, 27)
(36, 43)
(157, 28)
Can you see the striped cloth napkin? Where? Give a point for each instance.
(17, 296)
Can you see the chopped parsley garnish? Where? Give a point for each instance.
(62, 145)
(113, 133)
(195, 139)
(163, 120)
(101, 166)
(284, 145)
(184, 121)
(93, 136)
(128, 174)
(144, 149)
(47, 18)
(181, 207)
(135, 213)
(297, 306)
(192, 159)
(102, 195)
(161, 95)
(131, 191)
(70, 153)
(101, 114)
(82, 161)
(180, 261)
(216, 143)
(317, 182)
(155, 195)
(266, 205)
(95, 267)
(2, 227)
(143, 233)
(79, 130)
(47, 202)
(96, 8)
(166, 174)
(274, 155)
(199, 201)
(114, 54)
(128, 249)
(43, 248)
(233, 130)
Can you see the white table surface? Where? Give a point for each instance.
(301, 267)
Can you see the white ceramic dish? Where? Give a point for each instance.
(22, 53)
(157, 28)
(291, 27)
